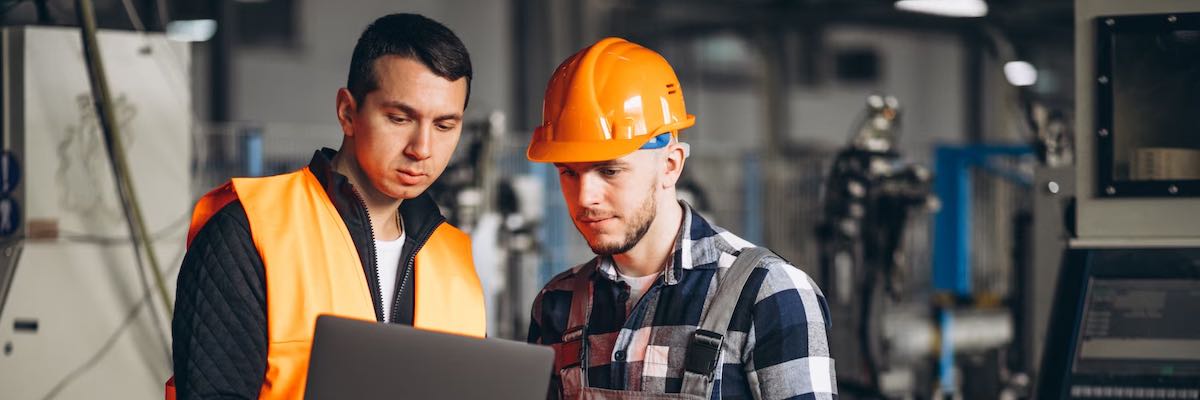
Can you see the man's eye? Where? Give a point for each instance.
(609, 172)
(445, 127)
(566, 172)
(398, 119)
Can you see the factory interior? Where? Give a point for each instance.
(997, 199)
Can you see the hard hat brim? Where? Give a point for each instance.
(590, 151)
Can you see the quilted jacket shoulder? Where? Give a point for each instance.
(220, 324)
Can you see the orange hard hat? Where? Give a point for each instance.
(606, 101)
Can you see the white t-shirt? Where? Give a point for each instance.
(637, 286)
(387, 262)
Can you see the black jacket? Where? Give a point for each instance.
(220, 322)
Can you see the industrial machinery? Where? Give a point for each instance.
(898, 333)
(869, 196)
(1125, 326)
(78, 318)
(1123, 321)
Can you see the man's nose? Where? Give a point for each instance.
(591, 189)
(421, 146)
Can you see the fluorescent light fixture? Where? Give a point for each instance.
(195, 30)
(1020, 73)
(945, 8)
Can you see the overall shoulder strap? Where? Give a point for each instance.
(573, 351)
(704, 350)
(570, 356)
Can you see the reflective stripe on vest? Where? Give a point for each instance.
(313, 268)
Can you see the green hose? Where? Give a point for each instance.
(116, 152)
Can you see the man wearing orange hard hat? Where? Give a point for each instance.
(672, 306)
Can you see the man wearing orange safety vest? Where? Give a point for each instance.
(352, 234)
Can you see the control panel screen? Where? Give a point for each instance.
(1141, 327)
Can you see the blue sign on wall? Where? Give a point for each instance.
(10, 173)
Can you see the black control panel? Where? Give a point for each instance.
(1125, 325)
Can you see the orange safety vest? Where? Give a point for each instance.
(313, 268)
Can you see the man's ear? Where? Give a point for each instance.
(676, 156)
(347, 109)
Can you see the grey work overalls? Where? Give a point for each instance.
(703, 353)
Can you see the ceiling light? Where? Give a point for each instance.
(195, 30)
(1020, 73)
(946, 8)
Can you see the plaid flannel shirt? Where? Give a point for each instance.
(776, 346)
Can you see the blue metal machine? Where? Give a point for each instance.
(952, 229)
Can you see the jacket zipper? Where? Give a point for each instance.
(408, 267)
(371, 255)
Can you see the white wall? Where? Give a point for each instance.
(81, 283)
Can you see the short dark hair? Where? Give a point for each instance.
(410, 36)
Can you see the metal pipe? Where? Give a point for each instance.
(911, 336)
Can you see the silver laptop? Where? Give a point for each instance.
(354, 359)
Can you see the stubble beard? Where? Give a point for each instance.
(639, 224)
